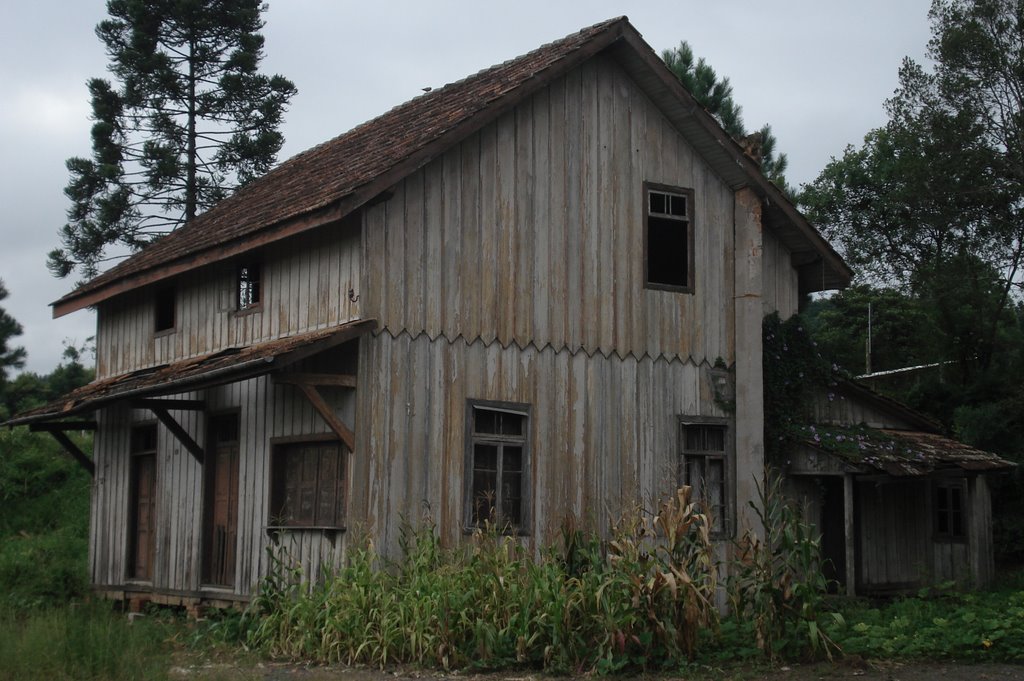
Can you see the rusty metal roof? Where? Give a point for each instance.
(900, 453)
(217, 368)
(332, 180)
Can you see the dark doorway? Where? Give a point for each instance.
(833, 532)
(142, 503)
(220, 521)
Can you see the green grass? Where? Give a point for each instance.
(82, 642)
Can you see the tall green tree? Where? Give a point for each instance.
(715, 94)
(933, 201)
(11, 357)
(189, 119)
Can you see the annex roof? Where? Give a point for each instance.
(899, 453)
(217, 368)
(336, 178)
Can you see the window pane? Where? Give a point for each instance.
(485, 421)
(512, 459)
(485, 457)
(485, 495)
(511, 424)
(657, 202)
(678, 205)
(511, 494)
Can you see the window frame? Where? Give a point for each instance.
(165, 298)
(944, 487)
(727, 526)
(257, 304)
(472, 438)
(688, 221)
(279, 448)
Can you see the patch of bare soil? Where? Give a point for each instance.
(854, 670)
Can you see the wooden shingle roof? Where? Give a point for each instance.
(335, 178)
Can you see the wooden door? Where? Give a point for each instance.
(221, 516)
(143, 516)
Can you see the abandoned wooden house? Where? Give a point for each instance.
(898, 505)
(510, 296)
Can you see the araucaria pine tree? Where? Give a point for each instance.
(189, 120)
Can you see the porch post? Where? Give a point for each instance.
(851, 566)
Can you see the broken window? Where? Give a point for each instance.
(950, 496)
(703, 466)
(248, 286)
(497, 465)
(308, 485)
(164, 309)
(668, 238)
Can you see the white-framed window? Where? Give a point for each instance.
(668, 238)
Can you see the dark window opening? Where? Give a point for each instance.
(949, 510)
(703, 467)
(308, 486)
(668, 240)
(249, 289)
(164, 309)
(220, 528)
(498, 465)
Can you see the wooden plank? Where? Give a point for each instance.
(851, 563)
(176, 405)
(308, 378)
(328, 415)
(178, 432)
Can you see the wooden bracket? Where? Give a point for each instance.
(328, 415)
(57, 431)
(178, 432)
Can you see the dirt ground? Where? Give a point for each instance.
(854, 670)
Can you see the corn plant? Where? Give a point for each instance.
(777, 583)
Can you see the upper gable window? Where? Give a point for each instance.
(164, 309)
(249, 286)
(668, 238)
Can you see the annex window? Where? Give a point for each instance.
(249, 286)
(704, 467)
(308, 485)
(497, 463)
(163, 305)
(142, 502)
(950, 498)
(668, 238)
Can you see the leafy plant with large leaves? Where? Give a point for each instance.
(189, 119)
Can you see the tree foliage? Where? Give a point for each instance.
(189, 119)
(10, 357)
(715, 95)
(932, 202)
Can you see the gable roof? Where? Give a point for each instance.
(331, 180)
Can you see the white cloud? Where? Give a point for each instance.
(38, 111)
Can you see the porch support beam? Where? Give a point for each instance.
(179, 433)
(177, 405)
(328, 415)
(851, 557)
(57, 431)
(337, 380)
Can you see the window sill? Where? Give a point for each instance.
(271, 529)
(164, 332)
(672, 288)
(511, 532)
(247, 311)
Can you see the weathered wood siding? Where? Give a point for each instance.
(531, 231)
(266, 410)
(835, 409)
(893, 530)
(305, 285)
(602, 431)
(781, 285)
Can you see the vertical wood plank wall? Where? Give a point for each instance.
(894, 552)
(531, 231)
(305, 284)
(602, 431)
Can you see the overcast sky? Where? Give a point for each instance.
(817, 70)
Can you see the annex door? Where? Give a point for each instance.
(220, 522)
